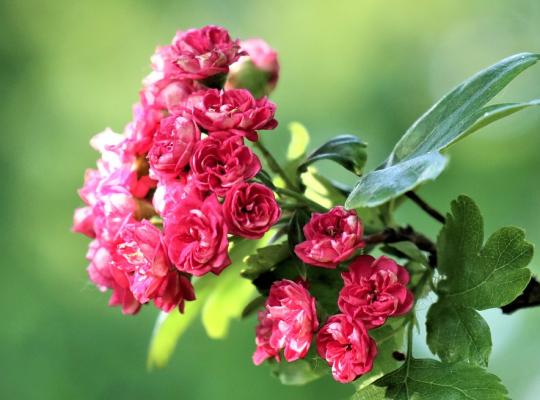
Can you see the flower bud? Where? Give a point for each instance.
(257, 72)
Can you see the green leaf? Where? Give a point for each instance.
(322, 190)
(296, 235)
(475, 276)
(265, 179)
(302, 371)
(265, 259)
(379, 186)
(457, 333)
(496, 112)
(450, 119)
(299, 141)
(370, 392)
(346, 150)
(231, 292)
(424, 379)
(451, 116)
(169, 327)
(389, 339)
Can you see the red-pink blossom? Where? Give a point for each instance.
(198, 53)
(374, 290)
(331, 238)
(236, 110)
(172, 146)
(169, 192)
(99, 272)
(287, 323)
(139, 255)
(83, 221)
(196, 236)
(250, 210)
(140, 131)
(347, 347)
(221, 161)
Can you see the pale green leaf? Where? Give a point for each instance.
(433, 380)
(496, 112)
(379, 186)
(411, 251)
(299, 141)
(457, 333)
(231, 292)
(478, 277)
(451, 116)
(169, 327)
(459, 113)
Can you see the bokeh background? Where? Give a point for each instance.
(70, 68)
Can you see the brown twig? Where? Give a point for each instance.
(426, 207)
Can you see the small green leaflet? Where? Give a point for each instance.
(422, 379)
(480, 277)
(475, 277)
(299, 372)
(456, 115)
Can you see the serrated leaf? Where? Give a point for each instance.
(370, 392)
(346, 150)
(379, 186)
(422, 379)
(475, 276)
(457, 333)
(450, 119)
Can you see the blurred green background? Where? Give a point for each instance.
(70, 68)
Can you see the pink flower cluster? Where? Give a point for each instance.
(181, 162)
(373, 291)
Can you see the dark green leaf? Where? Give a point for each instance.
(296, 235)
(457, 333)
(324, 285)
(457, 114)
(265, 178)
(432, 380)
(265, 259)
(478, 277)
(253, 306)
(346, 150)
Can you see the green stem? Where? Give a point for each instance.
(274, 165)
(410, 339)
(301, 198)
